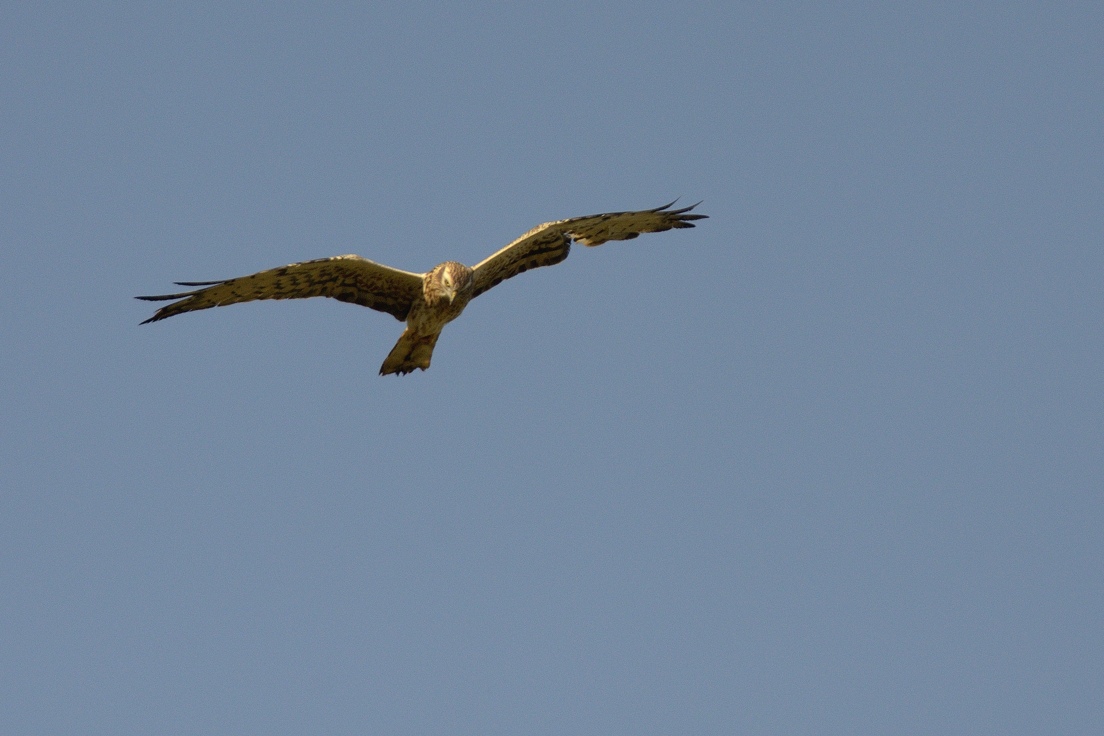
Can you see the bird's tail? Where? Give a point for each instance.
(410, 352)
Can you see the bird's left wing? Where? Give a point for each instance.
(548, 244)
(346, 278)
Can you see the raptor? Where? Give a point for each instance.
(425, 301)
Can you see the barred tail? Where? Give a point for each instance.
(410, 352)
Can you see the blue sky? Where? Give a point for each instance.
(830, 462)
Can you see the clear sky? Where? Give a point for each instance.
(831, 462)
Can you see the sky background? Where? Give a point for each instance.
(831, 462)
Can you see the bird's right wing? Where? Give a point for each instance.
(346, 278)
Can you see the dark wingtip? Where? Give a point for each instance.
(163, 312)
(682, 219)
(666, 209)
(158, 315)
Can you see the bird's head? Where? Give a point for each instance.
(448, 281)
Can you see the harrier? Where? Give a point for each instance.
(425, 301)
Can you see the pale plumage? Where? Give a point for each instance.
(425, 301)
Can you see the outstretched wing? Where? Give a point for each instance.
(548, 244)
(347, 278)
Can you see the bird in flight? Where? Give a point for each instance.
(425, 301)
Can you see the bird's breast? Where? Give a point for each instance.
(428, 317)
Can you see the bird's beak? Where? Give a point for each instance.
(451, 294)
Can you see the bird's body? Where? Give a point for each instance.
(447, 289)
(426, 301)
